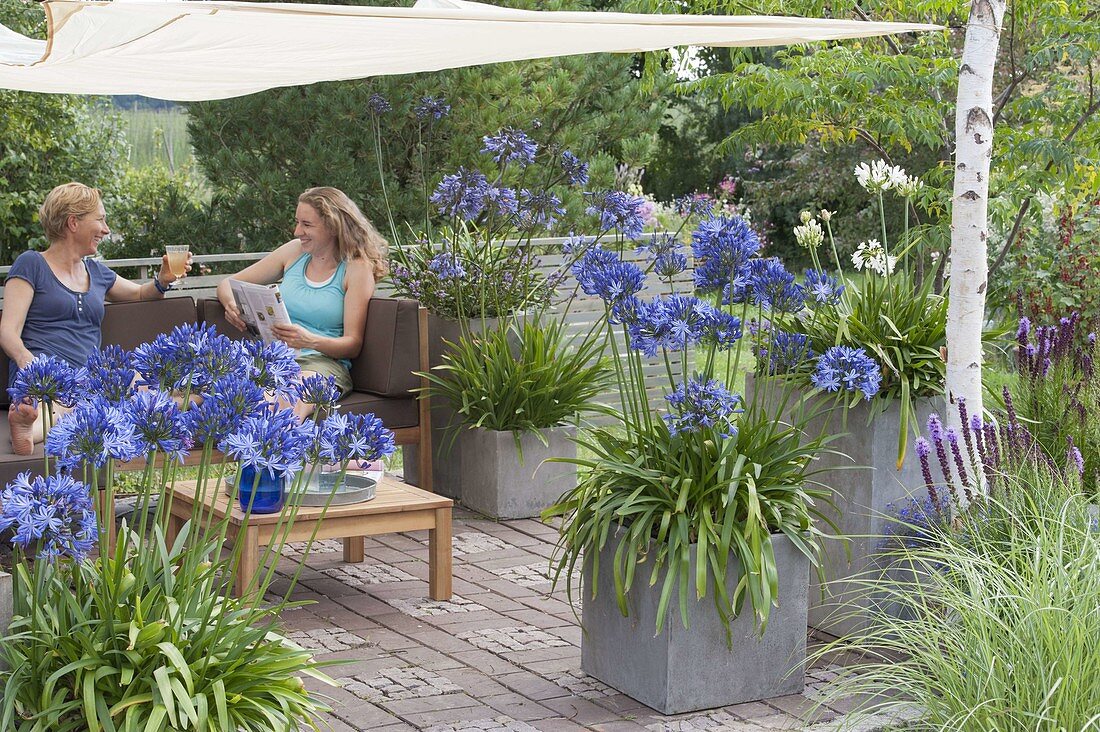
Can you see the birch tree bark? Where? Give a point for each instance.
(970, 206)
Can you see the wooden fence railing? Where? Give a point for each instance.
(582, 313)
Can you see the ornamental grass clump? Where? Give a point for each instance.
(998, 625)
(144, 635)
(715, 477)
(891, 308)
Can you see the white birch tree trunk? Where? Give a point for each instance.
(970, 207)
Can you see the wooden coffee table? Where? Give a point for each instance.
(396, 507)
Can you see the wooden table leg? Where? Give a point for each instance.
(248, 567)
(353, 549)
(175, 526)
(439, 556)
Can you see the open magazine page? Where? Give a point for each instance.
(261, 307)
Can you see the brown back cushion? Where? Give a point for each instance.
(129, 324)
(391, 345)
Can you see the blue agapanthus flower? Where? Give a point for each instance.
(721, 246)
(354, 437)
(192, 356)
(786, 352)
(510, 146)
(321, 391)
(538, 209)
(228, 404)
(723, 330)
(695, 204)
(602, 273)
(111, 374)
(821, 288)
(48, 379)
(158, 424)
(671, 323)
(669, 264)
(461, 194)
(272, 440)
(617, 211)
(703, 404)
(501, 201)
(53, 515)
(847, 368)
(271, 366)
(575, 171)
(576, 243)
(378, 104)
(431, 108)
(446, 266)
(93, 433)
(920, 521)
(773, 287)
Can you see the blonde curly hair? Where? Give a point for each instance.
(356, 237)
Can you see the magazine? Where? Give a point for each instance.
(261, 307)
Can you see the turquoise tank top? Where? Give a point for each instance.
(319, 310)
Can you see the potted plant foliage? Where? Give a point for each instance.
(891, 308)
(144, 634)
(477, 271)
(517, 394)
(694, 530)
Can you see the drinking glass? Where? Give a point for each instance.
(177, 258)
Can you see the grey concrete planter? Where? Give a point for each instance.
(447, 460)
(497, 482)
(868, 489)
(683, 670)
(866, 498)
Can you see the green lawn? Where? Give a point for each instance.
(157, 136)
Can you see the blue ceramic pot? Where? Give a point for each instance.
(270, 492)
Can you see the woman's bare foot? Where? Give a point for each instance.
(21, 419)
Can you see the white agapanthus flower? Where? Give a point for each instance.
(908, 186)
(872, 255)
(879, 176)
(810, 235)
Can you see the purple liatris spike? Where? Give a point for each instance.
(964, 420)
(960, 465)
(923, 450)
(1074, 457)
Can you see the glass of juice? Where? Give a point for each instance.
(177, 258)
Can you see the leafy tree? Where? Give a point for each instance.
(894, 97)
(259, 152)
(46, 140)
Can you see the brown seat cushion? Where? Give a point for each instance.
(394, 413)
(391, 345)
(13, 465)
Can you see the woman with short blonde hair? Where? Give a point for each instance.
(53, 300)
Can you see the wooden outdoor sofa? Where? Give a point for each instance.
(394, 347)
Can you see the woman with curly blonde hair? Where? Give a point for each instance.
(328, 274)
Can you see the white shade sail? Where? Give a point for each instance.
(190, 51)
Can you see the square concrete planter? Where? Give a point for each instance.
(866, 499)
(495, 480)
(684, 670)
(447, 460)
(868, 490)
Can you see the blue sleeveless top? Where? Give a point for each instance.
(61, 322)
(319, 310)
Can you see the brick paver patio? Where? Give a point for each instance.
(502, 654)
